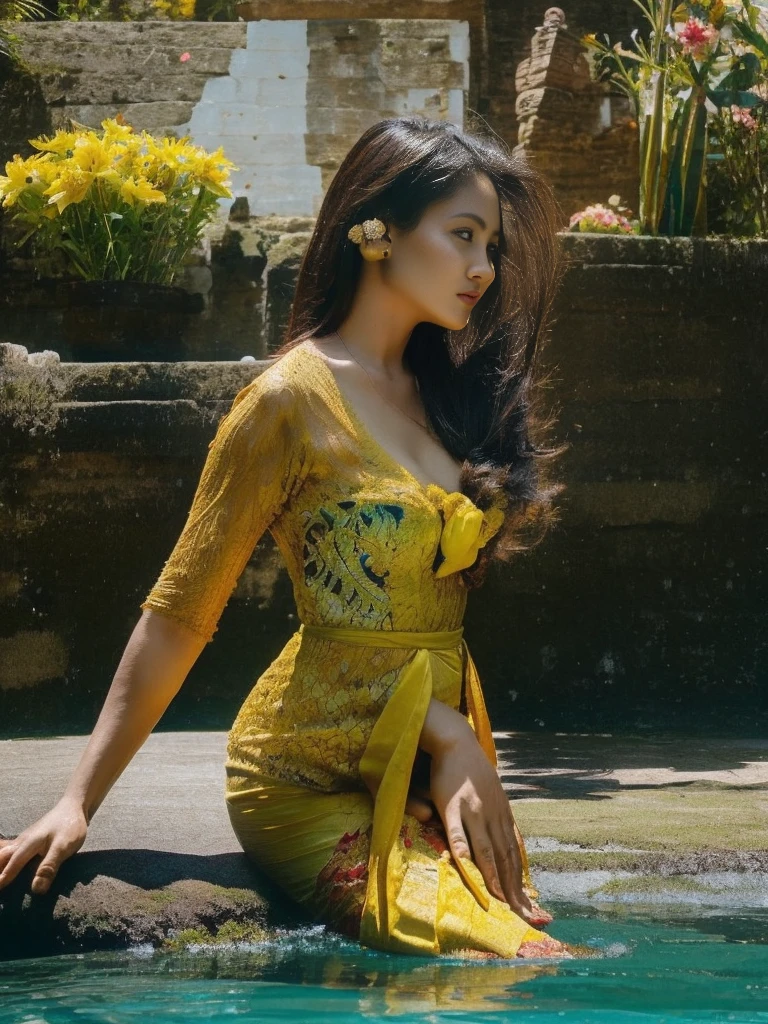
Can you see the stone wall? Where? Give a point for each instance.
(235, 271)
(288, 93)
(285, 99)
(643, 608)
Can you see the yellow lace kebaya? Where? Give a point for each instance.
(374, 556)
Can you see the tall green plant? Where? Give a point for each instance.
(694, 58)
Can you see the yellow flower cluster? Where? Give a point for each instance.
(134, 167)
(175, 9)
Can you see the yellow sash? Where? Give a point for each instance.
(388, 759)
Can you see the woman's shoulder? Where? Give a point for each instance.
(292, 375)
(289, 392)
(277, 387)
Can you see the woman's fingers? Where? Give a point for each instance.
(12, 865)
(6, 852)
(47, 870)
(454, 831)
(509, 864)
(484, 856)
(419, 808)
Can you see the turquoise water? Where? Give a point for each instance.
(656, 964)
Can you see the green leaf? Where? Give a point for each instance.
(725, 98)
(752, 36)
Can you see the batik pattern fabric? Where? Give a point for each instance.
(374, 556)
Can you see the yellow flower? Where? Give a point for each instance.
(61, 144)
(22, 175)
(114, 130)
(70, 186)
(717, 13)
(466, 530)
(90, 154)
(140, 190)
(213, 172)
(123, 154)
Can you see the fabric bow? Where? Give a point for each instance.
(466, 529)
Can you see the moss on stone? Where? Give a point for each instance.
(591, 860)
(652, 884)
(28, 397)
(230, 931)
(239, 897)
(186, 937)
(160, 897)
(289, 249)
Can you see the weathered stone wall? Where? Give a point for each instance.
(288, 93)
(644, 607)
(235, 269)
(285, 99)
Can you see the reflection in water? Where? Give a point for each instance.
(387, 984)
(437, 985)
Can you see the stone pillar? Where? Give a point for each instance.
(508, 26)
(578, 132)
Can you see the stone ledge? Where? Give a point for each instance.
(641, 251)
(109, 899)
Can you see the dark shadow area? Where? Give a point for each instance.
(573, 766)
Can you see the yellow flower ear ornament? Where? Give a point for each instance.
(465, 531)
(370, 237)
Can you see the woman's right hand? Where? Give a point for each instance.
(468, 795)
(55, 837)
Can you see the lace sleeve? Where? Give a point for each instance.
(254, 463)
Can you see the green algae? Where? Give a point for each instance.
(28, 397)
(592, 860)
(652, 884)
(229, 932)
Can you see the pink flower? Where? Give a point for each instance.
(600, 218)
(185, 57)
(696, 37)
(741, 115)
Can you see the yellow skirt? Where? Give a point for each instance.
(366, 868)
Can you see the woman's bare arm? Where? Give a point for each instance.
(154, 665)
(467, 792)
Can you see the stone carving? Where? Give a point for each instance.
(576, 131)
(554, 17)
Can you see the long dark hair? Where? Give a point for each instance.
(477, 384)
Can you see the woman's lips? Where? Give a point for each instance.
(469, 299)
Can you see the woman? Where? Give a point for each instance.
(388, 450)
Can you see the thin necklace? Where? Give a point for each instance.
(384, 397)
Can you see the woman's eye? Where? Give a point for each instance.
(468, 231)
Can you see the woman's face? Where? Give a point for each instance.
(451, 251)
